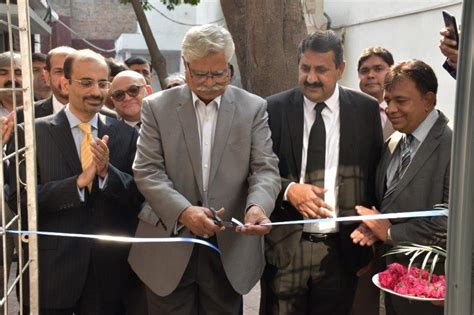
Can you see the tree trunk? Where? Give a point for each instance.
(157, 60)
(266, 35)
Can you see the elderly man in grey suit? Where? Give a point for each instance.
(413, 173)
(203, 146)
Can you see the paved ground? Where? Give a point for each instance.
(252, 301)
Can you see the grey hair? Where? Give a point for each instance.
(200, 41)
(5, 59)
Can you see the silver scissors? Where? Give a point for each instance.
(218, 220)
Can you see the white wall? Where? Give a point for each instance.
(408, 29)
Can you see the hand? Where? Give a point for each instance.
(254, 217)
(306, 199)
(100, 153)
(378, 227)
(363, 236)
(86, 177)
(7, 128)
(448, 47)
(199, 221)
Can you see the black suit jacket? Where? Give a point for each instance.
(360, 145)
(64, 262)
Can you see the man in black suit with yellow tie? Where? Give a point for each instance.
(85, 185)
(328, 140)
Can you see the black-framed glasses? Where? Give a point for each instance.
(88, 83)
(132, 91)
(219, 76)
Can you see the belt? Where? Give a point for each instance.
(318, 237)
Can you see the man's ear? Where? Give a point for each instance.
(149, 89)
(430, 99)
(65, 84)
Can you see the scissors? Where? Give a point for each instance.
(218, 220)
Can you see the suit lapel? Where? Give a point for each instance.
(347, 132)
(61, 134)
(295, 121)
(187, 119)
(104, 128)
(223, 127)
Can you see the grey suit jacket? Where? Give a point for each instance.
(425, 183)
(168, 172)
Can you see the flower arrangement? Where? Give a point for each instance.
(413, 281)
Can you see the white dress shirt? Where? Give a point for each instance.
(331, 117)
(57, 105)
(206, 116)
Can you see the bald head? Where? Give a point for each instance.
(127, 91)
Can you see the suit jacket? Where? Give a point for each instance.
(359, 151)
(168, 172)
(424, 184)
(64, 262)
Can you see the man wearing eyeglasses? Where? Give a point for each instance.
(85, 186)
(203, 146)
(127, 91)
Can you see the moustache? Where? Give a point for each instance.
(9, 84)
(217, 87)
(313, 85)
(93, 98)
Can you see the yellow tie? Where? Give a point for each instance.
(86, 154)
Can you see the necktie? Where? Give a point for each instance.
(316, 157)
(405, 158)
(86, 154)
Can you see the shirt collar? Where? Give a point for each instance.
(74, 121)
(383, 105)
(57, 105)
(196, 98)
(424, 128)
(331, 103)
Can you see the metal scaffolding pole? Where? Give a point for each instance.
(30, 155)
(461, 216)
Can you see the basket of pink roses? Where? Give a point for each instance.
(412, 282)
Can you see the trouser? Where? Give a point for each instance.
(203, 289)
(314, 282)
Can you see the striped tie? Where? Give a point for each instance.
(86, 154)
(405, 148)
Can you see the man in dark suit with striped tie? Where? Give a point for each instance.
(413, 173)
(85, 185)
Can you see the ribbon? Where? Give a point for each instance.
(397, 215)
(127, 239)
(119, 239)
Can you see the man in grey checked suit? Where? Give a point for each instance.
(413, 173)
(203, 145)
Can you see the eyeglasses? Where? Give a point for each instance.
(132, 91)
(88, 83)
(220, 76)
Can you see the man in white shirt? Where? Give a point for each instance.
(328, 140)
(373, 66)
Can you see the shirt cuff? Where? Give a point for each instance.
(103, 182)
(80, 191)
(285, 195)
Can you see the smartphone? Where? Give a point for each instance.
(450, 22)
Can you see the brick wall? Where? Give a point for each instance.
(99, 21)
